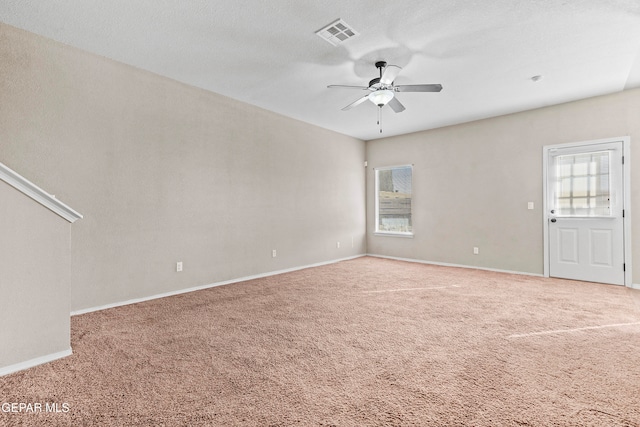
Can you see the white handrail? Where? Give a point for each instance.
(47, 200)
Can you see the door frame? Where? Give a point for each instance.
(626, 201)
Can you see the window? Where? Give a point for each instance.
(393, 200)
(582, 184)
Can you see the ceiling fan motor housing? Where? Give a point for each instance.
(381, 64)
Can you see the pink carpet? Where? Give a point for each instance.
(366, 342)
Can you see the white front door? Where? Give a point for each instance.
(585, 212)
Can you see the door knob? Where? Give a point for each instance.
(553, 220)
(553, 211)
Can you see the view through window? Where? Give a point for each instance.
(393, 200)
(582, 186)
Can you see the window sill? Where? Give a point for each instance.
(390, 234)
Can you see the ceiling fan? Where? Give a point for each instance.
(382, 90)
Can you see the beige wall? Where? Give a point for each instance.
(472, 182)
(34, 279)
(165, 172)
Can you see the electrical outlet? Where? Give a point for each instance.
(338, 245)
(179, 266)
(476, 251)
(530, 205)
(273, 253)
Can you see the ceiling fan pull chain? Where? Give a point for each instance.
(380, 117)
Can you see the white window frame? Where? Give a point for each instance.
(377, 232)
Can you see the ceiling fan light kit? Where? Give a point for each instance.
(381, 97)
(382, 90)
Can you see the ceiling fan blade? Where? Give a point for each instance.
(396, 105)
(418, 88)
(347, 87)
(356, 103)
(389, 74)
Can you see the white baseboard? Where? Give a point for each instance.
(212, 285)
(446, 264)
(633, 286)
(34, 362)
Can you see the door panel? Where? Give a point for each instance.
(586, 226)
(568, 242)
(601, 243)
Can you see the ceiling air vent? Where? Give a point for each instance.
(337, 32)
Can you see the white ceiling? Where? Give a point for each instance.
(266, 53)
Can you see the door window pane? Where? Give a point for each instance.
(583, 185)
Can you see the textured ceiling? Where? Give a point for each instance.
(266, 53)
